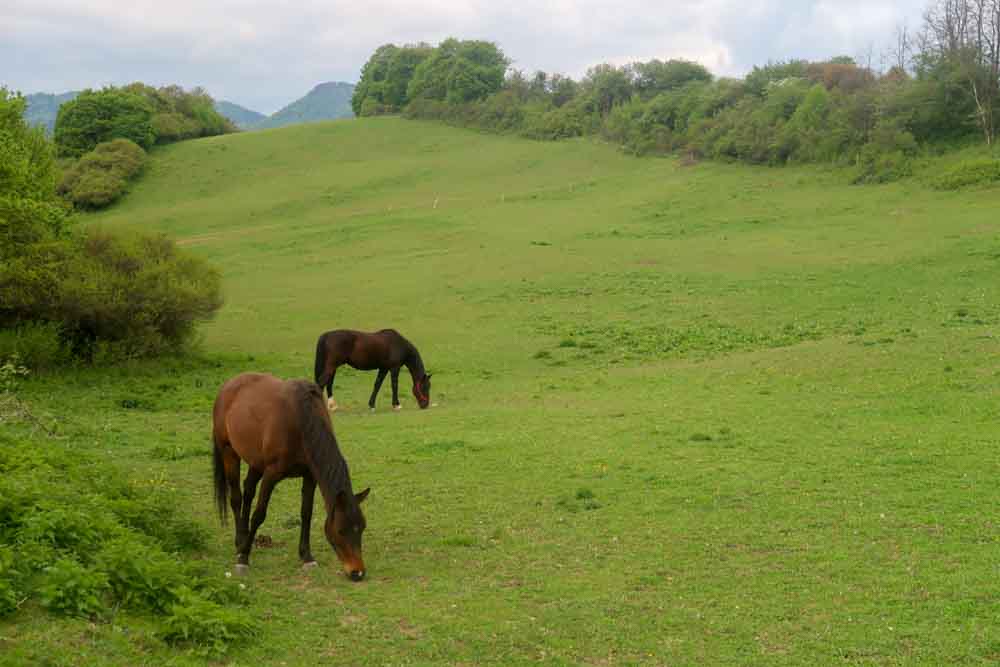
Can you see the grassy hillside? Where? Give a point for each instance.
(685, 415)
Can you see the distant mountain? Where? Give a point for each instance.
(242, 117)
(43, 108)
(327, 101)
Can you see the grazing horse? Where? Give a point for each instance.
(385, 350)
(282, 429)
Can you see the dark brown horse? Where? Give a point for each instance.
(385, 350)
(282, 429)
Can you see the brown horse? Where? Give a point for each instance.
(385, 350)
(282, 429)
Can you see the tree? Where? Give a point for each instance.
(98, 116)
(30, 211)
(459, 71)
(605, 85)
(656, 76)
(965, 36)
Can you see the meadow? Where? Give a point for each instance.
(684, 415)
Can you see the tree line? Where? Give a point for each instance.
(940, 85)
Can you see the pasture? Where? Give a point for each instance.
(684, 415)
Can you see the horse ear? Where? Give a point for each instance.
(359, 497)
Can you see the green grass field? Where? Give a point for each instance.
(705, 415)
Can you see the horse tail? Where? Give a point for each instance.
(221, 484)
(320, 359)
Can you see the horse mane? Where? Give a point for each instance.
(328, 465)
(413, 361)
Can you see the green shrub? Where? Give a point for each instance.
(142, 513)
(34, 344)
(112, 296)
(139, 575)
(171, 126)
(984, 171)
(561, 123)
(98, 116)
(101, 176)
(70, 588)
(206, 624)
(9, 594)
(63, 542)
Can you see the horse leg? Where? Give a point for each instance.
(378, 385)
(308, 492)
(259, 514)
(231, 465)
(395, 387)
(332, 404)
(243, 520)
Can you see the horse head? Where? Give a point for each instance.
(344, 527)
(422, 391)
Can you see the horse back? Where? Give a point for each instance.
(258, 416)
(365, 351)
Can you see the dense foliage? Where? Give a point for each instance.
(29, 211)
(794, 111)
(101, 176)
(140, 113)
(80, 541)
(90, 293)
(456, 72)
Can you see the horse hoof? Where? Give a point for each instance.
(308, 565)
(241, 569)
(397, 408)
(332, 404)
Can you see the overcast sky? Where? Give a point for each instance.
(263, 55)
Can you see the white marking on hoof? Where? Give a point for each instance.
(332, 404)
(397, 408)
(241, 570)
(310, 565)
(372, 410)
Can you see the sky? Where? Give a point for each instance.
(264, 55)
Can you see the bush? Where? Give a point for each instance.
(34, 344)
(101, 176)
(138, 112)
(561, 123)
(887, 156)
(62, 543)
(112, 296)
(204, 623)
(95, 117)
(72, 589)
(9, 593)
(984, 171)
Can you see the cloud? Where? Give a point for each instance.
(263, 55)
